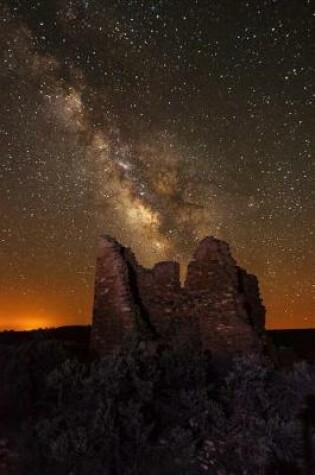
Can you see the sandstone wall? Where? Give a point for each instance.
(114, 309)
(218, 307)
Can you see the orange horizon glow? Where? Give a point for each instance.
(43, 324)
(33, 319)
(41, 308)
(25, 323)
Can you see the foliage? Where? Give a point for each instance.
(23, 369)
(138, 413)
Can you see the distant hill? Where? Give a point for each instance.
(294, 344)
(76, 334)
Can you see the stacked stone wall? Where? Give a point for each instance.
(114, 310)
(218, 306)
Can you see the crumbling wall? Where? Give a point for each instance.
(212, 284)
(218, 307)
(114, 309)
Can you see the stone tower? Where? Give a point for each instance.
(218, 307)
(114, 310)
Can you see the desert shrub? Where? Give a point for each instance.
(171, 412)
(115, 415)
(98, 420)
(257, 423)
(23, 372)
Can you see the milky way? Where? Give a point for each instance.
(158, 123)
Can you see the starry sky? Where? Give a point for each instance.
(158, 122)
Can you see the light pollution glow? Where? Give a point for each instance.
(157, 139)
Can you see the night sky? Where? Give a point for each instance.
(158, 122)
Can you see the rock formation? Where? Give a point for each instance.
(218, 307)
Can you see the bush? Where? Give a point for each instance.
(170, 413)
(23, 372)
(259, 425)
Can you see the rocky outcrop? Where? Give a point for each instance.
(218, 307)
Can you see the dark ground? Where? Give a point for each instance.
(292, 345)
(171, 413)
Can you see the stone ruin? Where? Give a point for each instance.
(218, 307)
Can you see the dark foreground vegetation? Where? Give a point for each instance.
(151, 412)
